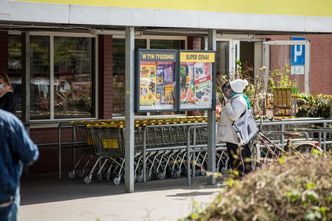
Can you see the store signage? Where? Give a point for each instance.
(196, 80)
(297, 57)
(155, 80)
(308, 8)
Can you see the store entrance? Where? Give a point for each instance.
(239, 58)
(247, 59)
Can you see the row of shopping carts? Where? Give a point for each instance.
(160, 149)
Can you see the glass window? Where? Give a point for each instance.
(167, 44)
(118, 89)
(73, 77)
(222, 57)
(15, 69)
(40, 77)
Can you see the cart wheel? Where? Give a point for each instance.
(117, 180)
(304, 148)
(99, 177)
(108, 176)
(87, 179)
(178, 173)
(139, 178)
(224, 166)
(80, 173)
(161, 175)
(198, 172)
(173, 174)
(148, 176)
(254, 157)
(71, 175)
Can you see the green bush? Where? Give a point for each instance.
(313, 106)
(292, 189)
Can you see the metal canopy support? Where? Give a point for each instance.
(129, 129)
(26, 52)
(266, 59)
(307, 68)
(234, 58)
(211, 166)
(266, 64)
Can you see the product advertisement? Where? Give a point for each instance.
(196, 80)
(156, 80)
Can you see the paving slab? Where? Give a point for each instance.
(47, 198)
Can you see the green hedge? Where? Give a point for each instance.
(313, 106)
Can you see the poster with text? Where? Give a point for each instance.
(156, 80)
(196, 80)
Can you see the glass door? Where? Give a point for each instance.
(227, 55)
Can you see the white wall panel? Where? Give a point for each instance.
(75, 14)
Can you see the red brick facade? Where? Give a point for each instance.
(105, 67)
(3, 51)
(194, 43)
(48, 159)
(320, 61)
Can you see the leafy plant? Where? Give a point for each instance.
(280, 78)
(288, 191)
(313, 106)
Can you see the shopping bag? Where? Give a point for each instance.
(245, 127)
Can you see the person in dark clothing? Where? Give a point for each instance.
(16, 150)
(6, 94)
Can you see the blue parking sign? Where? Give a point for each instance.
(297, 52)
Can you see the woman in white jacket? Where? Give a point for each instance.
(236, 104)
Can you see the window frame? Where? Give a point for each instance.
(148, 38)
(51, 36)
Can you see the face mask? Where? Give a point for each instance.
(2, 86)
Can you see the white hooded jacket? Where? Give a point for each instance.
(232, 111)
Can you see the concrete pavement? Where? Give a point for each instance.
(47, 198)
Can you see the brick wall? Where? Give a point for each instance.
(48, 158)
(320, 61)
(194, 43)
(4, 51)
(105, 77)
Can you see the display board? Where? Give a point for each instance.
(155, 80)
(196, 80)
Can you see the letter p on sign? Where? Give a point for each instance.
(297, 53)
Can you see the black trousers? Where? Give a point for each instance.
(239, 158)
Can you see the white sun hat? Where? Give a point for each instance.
(239, 85)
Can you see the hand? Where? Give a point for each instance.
(225, 99)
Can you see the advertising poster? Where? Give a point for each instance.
(196, 80)
(156, 80)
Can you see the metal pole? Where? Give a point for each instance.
(266, 64)
(129, 109)
(324, 136)
(282, 135)
(211, 149)
(194, 153)
(26, 53)
(144, 154)
(307, 68)
(59, 151)
(74, 139)
(331, 109)
(188, 158)
(51, 54)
